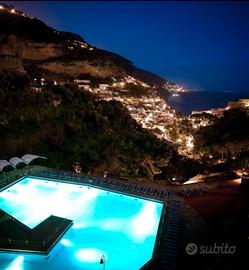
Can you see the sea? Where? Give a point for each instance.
(204, 100)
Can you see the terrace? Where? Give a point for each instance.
(16, 236)
(107, 185)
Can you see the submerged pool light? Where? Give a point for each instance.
(16, 264)
(90, 255)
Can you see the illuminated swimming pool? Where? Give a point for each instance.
(123, 228)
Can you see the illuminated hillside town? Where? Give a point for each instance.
(151, 111)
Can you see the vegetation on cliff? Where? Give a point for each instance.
(226, 138)
(69, 125)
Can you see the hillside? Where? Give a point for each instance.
(225, 138)
(68, 126)
(29, 39)
(44, 111)
(30, 47)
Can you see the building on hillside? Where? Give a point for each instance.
(103, 86)
(201, 112)
(35, 89)
(84, 86)
(234, 105)
(218, 112)
(244, 102)
(82, 81)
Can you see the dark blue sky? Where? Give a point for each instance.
(202, 45)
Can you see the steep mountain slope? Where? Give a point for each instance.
(30, 39)
(29, 46)
(68, 126)
(44, 111)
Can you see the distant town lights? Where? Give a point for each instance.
(1, 7)
(13, 11)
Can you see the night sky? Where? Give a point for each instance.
(201, 45)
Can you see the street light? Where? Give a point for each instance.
(102, 261)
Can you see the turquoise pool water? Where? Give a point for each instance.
(123, 228)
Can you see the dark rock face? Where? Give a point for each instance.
(62, 52)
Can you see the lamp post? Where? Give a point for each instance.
(102, 261)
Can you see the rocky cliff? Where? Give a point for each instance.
(34, 43)
(12, 63)
(29, 50)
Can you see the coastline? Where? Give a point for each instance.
(203, 100)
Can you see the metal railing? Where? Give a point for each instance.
(27, 244)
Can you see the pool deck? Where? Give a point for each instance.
(167, 241)
(152, 191)
(17, 237)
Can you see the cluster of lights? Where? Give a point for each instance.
(131, 80)
(79, 44)
(174, 88)
(150, 111)
(12, 10)
(190, 143)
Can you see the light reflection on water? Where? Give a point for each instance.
(105, 223)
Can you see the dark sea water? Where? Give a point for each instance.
(203, 100)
